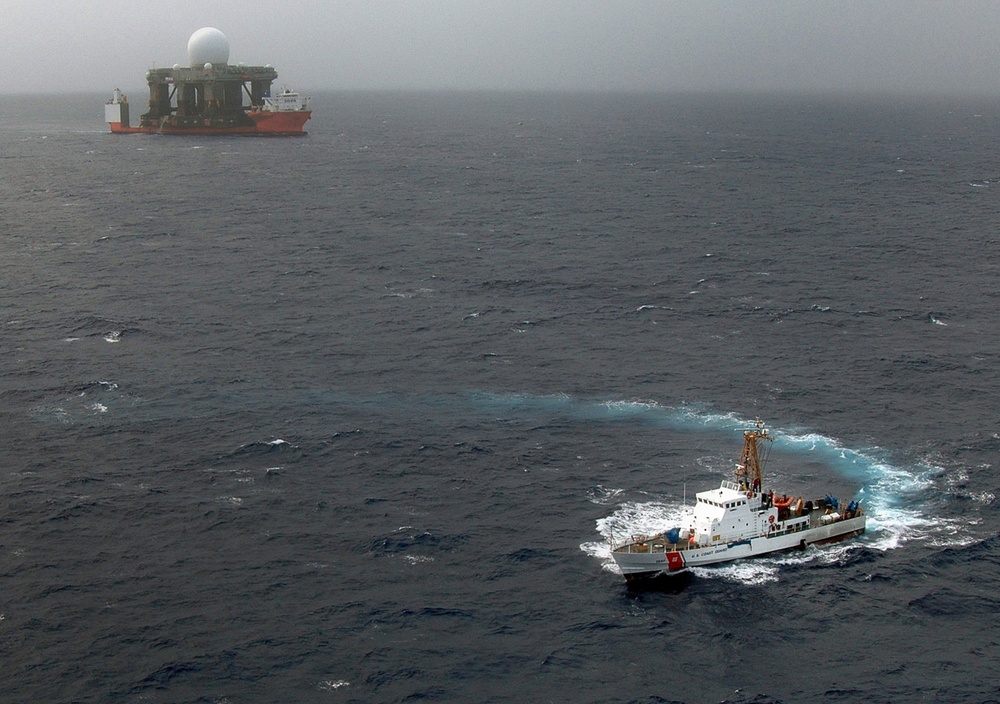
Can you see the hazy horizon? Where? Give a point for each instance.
(587, 46)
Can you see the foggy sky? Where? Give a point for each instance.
(659, 45)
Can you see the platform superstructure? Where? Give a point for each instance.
(211, 96)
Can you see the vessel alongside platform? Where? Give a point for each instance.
(212, 97)
(739, 520)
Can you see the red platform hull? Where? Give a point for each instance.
(264, 124)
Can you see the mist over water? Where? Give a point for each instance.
(353, 417)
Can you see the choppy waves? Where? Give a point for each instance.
(356, 416)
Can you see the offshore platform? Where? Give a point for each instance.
(212, 97)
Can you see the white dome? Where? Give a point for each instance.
(208, 46)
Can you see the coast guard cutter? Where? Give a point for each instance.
(739, 520)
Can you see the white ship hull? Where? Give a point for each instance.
(654, 557)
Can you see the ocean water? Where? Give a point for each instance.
(353, 417)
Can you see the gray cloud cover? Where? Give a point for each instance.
(659, 45)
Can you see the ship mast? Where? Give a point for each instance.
(749, 471)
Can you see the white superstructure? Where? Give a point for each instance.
(285, 101)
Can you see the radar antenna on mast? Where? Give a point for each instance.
(750, 469)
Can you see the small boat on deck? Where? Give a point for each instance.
(739, 520)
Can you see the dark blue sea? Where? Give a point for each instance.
(353, 417)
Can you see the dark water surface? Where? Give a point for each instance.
(351, 418)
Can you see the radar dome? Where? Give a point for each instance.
(208, 46)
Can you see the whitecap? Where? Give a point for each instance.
(417, 559)
(601, 495)
(332, 685)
